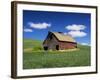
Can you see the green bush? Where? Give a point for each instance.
(37, 48)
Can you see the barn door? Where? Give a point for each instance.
(45, 48)
(57, 47)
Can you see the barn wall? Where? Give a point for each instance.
(51, 44)
(67, 45)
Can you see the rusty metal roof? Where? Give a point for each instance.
(62, 37)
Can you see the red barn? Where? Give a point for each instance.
(58, 41)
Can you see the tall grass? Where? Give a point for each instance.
(56, 59)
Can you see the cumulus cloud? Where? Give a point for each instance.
(76, 30)
(75, 27)
(28, 30)
(65, 33)
(77, 33)
(43, 25)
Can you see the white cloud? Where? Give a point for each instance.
(75, 27)
(65, 33)
(28, 30)
(84, 44)
(76, 30)
(77, 33)
(43, 25)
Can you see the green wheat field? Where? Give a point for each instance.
(35, 57)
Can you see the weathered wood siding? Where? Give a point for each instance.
(52, 43)
(67, 45)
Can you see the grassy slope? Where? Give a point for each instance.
(31, 43)
(36, 59)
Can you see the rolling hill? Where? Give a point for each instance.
(32, 58)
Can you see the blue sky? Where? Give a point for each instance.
(36, 25)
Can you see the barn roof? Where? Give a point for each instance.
(62, 37)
